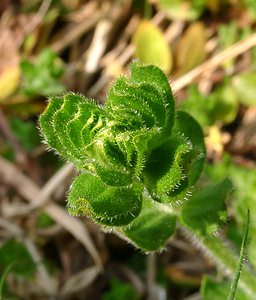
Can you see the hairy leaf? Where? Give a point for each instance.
(175, 166)
(108, 205)
(155, 224)
(206, 218)
(134, 146)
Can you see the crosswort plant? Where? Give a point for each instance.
(138, 159)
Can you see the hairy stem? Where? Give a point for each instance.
(224, 257)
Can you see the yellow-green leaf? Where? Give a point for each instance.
(9, 81)
(151, 46)
(191, 48)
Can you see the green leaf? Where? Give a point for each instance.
(189, 128)
(174, 167)
(221, 105)
(68, 125)
(14, 252)
(120, 290)
(154, 225)
(244, 182)
(151, 46)
(225, 104)
(228, 35)
(213, 290)
(204, 217)
(197, 105)
(44, 221)
(245, 87)
(108, 205)
(42, 76)
(154, 76)
(165, 177)
(25, 132)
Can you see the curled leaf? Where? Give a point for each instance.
(134, 146)
(112, 206)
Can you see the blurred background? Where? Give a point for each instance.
(206, 48)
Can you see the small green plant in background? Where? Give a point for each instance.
(12, 252)
(15, 260)
(42, 77)
(120, 291)
(138, 160)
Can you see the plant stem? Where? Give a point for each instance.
(234, 284)
(3, 278)
(222, 254)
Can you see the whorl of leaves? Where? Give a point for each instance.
(136, 156)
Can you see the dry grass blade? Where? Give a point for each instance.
(77, 31)
(37, 19)
(102, 35)
(80, 280)
(30, 191)
(52, 185)
(214, 62)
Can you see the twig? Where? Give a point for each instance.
(80, 281)
(102, 35)
(98, 45)
(30, 191)
(123, 52)
(121, 60)
(196, 296)
(214, 62)
(112, 55)
(174, 30)
(135, 279)
(37, 19)
(52, 185)
(77, 31)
